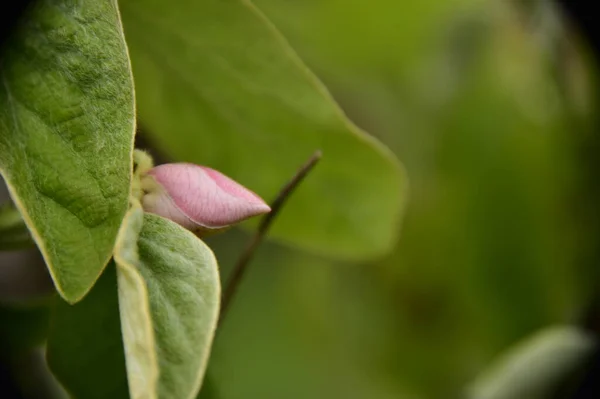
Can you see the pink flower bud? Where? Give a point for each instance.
(198, 198)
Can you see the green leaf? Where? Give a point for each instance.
(161, 326)
(85, 349)
(534, 368)
(135, 311)
(169, 300)
(66, 134)
(218, 85)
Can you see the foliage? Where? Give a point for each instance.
(476, 295)
(139, 294)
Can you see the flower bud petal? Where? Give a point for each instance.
(198, 197)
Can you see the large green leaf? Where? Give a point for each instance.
(217, 85)
(169, 302)
(66, 134)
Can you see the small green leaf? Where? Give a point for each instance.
(66, 134)
(218, 85)
(161, 326)
(534, 367)
(85, 349)
(169, 300)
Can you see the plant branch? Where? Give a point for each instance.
(242, 264)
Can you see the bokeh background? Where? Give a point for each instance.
(490, 105)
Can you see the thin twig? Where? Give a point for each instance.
(242, 264)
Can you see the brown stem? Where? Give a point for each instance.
(242, 264)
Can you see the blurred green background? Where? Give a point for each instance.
(490, 106)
